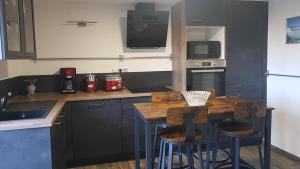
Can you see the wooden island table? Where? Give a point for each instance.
(149, 113)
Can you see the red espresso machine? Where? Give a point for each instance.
(68, 80)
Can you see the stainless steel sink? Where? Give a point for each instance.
(26, 110)
(21, 115)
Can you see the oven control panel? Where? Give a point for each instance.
(206, 63)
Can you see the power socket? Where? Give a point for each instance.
(115, 70)
(123, 69)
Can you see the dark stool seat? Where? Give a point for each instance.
(177, 135)
(236, 128)
(251, 112)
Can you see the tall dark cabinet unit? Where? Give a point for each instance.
(247, 31)
(17, 29)
(246, 34)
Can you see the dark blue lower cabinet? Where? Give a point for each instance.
(25, 149)
(97, 133)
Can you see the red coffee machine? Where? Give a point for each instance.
(91, 83)
(68, 80)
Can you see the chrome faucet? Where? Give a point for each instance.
(3, 104)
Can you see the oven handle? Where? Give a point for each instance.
(208, 71)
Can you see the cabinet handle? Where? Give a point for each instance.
(196, 20)
(95, 105)
(58, 121)
(236, 86)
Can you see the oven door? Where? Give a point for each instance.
(205, 79)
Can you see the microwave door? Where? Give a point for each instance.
(205, 79)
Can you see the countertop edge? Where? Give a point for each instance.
(61, 100)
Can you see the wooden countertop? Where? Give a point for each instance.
(158, 111)
(61, 101)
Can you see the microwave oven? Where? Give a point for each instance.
(203, 50)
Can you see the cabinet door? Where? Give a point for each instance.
(12, 26)
(128, 114)
(58, 140)
(68, 132)
(29, 38)
(247, 46)
(96, 128)
(206, 12)
(18, 29)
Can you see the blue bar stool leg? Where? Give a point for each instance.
(237, 153)
(160, 154)
(189, 157)
(192, 156)
(180, 155)
(163, 161)
(170, 160)
(232, 151)
(260, 154)
(155, 143)
(208, 148)
(200, 158)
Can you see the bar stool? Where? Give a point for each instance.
(183, 132)
(248, 117)
(159, 97)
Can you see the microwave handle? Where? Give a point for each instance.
(208, 71)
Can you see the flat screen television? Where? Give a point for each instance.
(147, 30)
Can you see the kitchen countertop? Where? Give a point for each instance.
(61, 100)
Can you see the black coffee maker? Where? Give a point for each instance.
(68, 80)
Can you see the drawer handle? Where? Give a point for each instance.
(196, 20)
(95, 106)
(236, 86)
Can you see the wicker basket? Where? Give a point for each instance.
(196, 98)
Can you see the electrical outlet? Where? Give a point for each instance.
(124, 69)
(115, 70)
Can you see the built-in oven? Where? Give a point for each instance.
(205, 75)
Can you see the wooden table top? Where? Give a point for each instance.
(158, 111)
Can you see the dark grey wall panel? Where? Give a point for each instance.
(51, 83)
(10, 85)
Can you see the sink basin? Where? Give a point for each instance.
(26, 110)
(21, 115)
(149, 89)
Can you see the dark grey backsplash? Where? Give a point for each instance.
(10, 85)
(51, 83)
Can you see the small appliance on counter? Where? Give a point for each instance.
(31, 88)
(113, 82)
(91, 83)
(68, 80)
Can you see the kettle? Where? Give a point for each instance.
(91, 83)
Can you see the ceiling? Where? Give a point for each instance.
(127, 2)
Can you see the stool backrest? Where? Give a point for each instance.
(252, 112)
(189, 117)
(166, 96)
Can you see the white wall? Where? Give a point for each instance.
(55, 39)
(284, 92)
